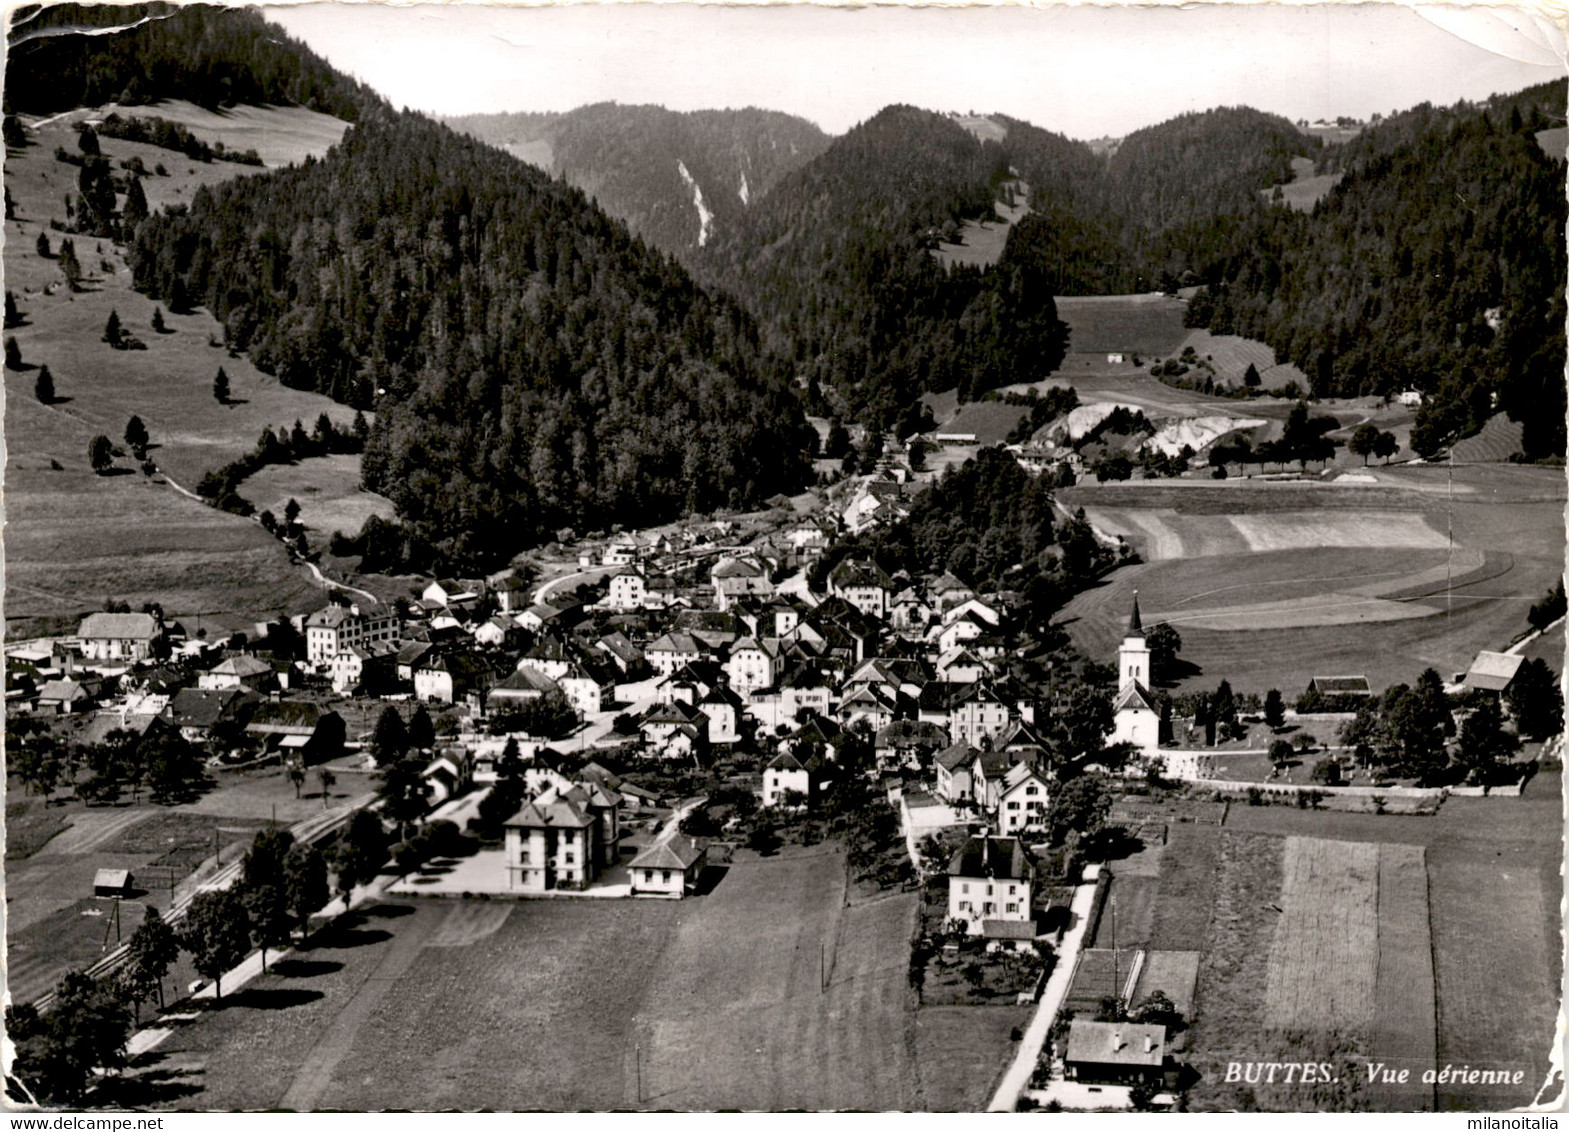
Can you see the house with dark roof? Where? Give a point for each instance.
(669, 868)
(298, 730)
(559, 840)
(671, 651)
(991, 879)
(786, 774)
(863, 584)
(196, 711)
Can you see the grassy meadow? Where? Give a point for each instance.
(76, 538)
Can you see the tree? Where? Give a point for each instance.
(1483, 741)
(1157, 1009)
(1081, 727)
(1274, 709)
(327, 780)
(87, 141)
(263, 863)
(217, 934)
(297, 777)
(136, 436)
(1535, 700)
(1543, 613)
(13, 354)
(43, 386)
(100, 454)
(1251, 377)
(1281, 752)
(305, 882)
(220, 385)
(361, 853)
(764, 840)
(43, 246)
(1385, 445)
(135, 210)
(272, 919)
(291, 512)
(975, 975)
(112, 332)
(86, 1030)
(404, 792)
(153, 949)
(1363, 441)
(1081, 804)
(13, 314)
(70, 268)
(390, 740)
(1164, 643)
(422, 732)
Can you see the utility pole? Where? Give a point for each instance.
(638, 1058)
(1449, 558)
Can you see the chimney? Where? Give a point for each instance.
(1116, 1040)
(1149, 1044)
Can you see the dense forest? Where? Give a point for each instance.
(645, 165)
(836, 262)
(532, 365)
(1437, 263)
(210, 55)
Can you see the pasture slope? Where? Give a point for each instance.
(713, 1002)
(1270, 584)
(76, 538)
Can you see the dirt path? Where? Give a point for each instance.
(312, 1081)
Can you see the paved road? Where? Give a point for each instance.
(1006, 1099)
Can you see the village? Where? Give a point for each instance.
(672, 698)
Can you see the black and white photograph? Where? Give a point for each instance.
(666, 557)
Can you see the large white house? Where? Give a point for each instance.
(338, 627)
(991, 882)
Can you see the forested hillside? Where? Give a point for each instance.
(835, 263)
(1437, 263)
(532, 366)
(210, 55)
(649, 167)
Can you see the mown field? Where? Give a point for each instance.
(717, 1002)
(1272, 584)
(76, 538)
(1491, 879)
(327, 490)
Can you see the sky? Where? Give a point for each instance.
(1082, 71)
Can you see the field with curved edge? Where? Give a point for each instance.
(1270, 584)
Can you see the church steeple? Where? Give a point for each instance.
(1135, 625)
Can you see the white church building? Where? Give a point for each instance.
(1137, 719)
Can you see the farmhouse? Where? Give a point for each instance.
(1492, 672)
(121, 636)
(1123, 1053)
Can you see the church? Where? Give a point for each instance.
(1137, 719)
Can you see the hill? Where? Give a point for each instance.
(533, 366)
(675, 179)
(836, 263)
(213, 56)
(1426, 266)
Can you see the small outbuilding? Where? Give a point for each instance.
(112, 882)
